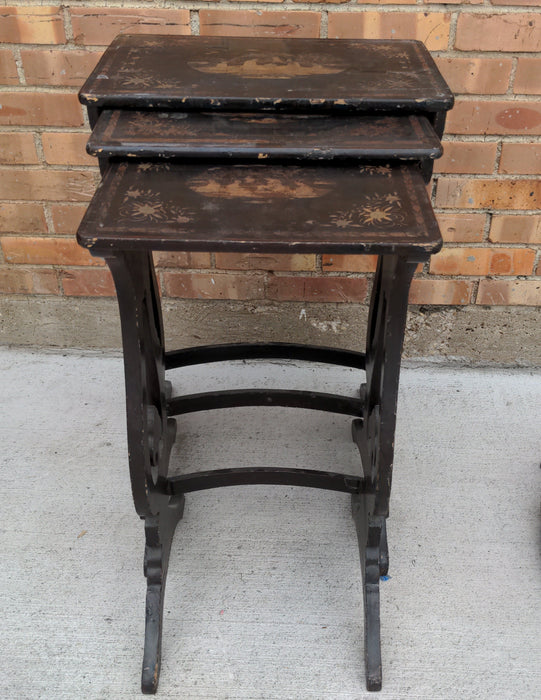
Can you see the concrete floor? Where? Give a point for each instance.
(264, 597)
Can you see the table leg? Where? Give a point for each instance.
(159, 531)
(151, 435)
(369, 533)
(375, 439)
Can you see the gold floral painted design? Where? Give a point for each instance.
(137, 81)
(384, 170)
(145, 206)
(128, 78)
(373, 211)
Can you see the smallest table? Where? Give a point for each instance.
(311, 182)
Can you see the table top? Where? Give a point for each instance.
(226, 135)
(252, 74)
(262, 208)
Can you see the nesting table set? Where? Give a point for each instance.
(262, 146)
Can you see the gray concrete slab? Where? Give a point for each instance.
(480, 336)
(264, 598)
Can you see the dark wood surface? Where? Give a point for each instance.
(146, 203)
(241, 73)
(125, 133)
(262, 208)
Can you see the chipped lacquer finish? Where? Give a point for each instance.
(262, 209)
(133, 134)
(172, 118)
(240, 73)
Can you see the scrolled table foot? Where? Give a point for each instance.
(370, 536)
(159, 531)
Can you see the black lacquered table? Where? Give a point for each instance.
(262, 146)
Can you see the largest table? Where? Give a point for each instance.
(262, 146)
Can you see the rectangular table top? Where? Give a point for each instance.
(253, 74)
(226, 135)
(262, 208)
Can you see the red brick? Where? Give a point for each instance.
(532, 3)
(57, 67)
(32, 25)
(8, 68)
(88, 283)
(46, 251)
(483, 261)
(432, 28)
(522, 158)
(467, 157)
(17, 148)
(328, 289)
(509, 292)
(53, 185)
(22, 218)
(456, 2)
(450, 292)
(387, 2)
(249, 23)
(213, 286)
(40, 109)
(67, 217)
(490, 193)
(190, 260)
(498, 32)
(349, 263)
(251, 261)
(516, 229)
(66, 148)
(476, 75)
(461, 228)
(99, 25)
(528, 76)
(29, 281)
(487, 117)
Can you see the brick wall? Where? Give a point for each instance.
(486, 189)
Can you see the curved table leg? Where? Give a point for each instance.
(151, 435)
(159, 531)
(374, 437)
(370, 533)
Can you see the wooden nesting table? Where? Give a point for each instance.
(262, 146)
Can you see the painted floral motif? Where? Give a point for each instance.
(127, 76)
(375, 170)
(144, 206)
(374, 210)
(137, 81)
